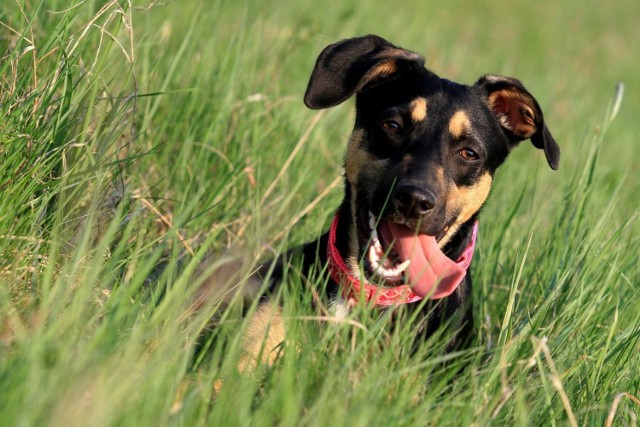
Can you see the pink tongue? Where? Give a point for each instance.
(429, 267)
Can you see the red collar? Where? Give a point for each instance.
(352, 287)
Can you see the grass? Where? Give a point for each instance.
(137, 131)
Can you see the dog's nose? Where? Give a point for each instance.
(414, 202)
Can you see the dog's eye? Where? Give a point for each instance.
(392, 125)
(468, 154)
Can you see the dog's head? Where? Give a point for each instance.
(424, 149)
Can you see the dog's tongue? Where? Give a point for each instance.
(429, 266)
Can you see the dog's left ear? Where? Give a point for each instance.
(519, 114)
(353, 65)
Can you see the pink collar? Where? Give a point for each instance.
(353, 288)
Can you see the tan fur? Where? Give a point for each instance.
(439, 170)
(263, 337)
(404, 54)
(356, 157)
(352, 261)
(418, 109)
(467, 201)
(382, 70)
(459, 124)
(261, 340)
(508, 106)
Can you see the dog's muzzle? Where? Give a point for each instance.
(428, 271)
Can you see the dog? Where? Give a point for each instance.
(418, 169)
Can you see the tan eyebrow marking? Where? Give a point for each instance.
(418, 109)
(459, 124)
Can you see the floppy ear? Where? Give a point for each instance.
(519, 114)
(349, 66)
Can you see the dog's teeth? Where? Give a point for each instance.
(374, 259)
(374, 235)
(388, 273)
(378, 247)
(372, 226)
(393, 271)
(402, 267)
(378, 257)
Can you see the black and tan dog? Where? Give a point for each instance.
(419, 166)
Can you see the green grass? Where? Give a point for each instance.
(176, 130)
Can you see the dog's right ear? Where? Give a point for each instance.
(347, 67)
(519, 114)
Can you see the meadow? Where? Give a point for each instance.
(142, 133)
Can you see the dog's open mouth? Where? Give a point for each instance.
(397, 254)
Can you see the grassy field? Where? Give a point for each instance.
(134, 132)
